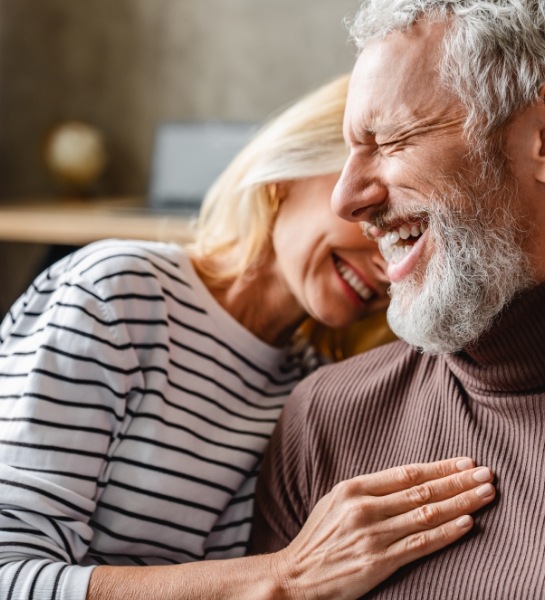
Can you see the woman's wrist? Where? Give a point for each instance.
(285, 577)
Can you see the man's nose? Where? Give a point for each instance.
(358, 193)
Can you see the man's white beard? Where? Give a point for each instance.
(476, 269)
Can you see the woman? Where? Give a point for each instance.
(141, 381)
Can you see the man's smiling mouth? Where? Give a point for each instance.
(398, 242)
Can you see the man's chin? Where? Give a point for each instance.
(403, 295)
(416, 317)
(441, 323)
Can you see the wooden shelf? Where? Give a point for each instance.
(78, 222)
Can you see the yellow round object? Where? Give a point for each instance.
(76, 154)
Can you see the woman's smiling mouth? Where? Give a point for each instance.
(353, 280)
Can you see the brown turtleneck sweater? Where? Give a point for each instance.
(393, 406)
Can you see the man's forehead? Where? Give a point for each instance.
(424, 35)
(395, 75)
(408, 55)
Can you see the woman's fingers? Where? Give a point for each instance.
(436, 514)
(401, 478)
(434, 491)
(423, 543)
(430, 527)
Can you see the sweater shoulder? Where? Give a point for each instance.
(109, 280)
(372, 380)
(113, 269)
(109, 257)
(374, 367)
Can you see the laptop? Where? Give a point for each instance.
(187, 158)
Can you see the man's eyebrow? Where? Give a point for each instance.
(391, 130)
(376, 127)
(387, 128)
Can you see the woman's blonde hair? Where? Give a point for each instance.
(237, 213)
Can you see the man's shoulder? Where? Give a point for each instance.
(373, 377)
(339, 416)
(381, 363)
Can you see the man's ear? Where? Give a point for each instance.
(542, 138)
(539, 171)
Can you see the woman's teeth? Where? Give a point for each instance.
(397, 243)
(352, 279)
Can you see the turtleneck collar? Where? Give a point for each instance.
(510, 357)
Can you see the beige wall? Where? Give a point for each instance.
(126, 65)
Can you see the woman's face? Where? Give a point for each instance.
(333, 271)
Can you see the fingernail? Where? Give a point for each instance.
(485, 490)
(464, 521)
(465, 463)
(482, 474)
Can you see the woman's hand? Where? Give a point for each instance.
(367, 527)
(356, 536)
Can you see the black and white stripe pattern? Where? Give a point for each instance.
(133, 415)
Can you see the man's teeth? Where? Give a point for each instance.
(393, 246)
(354, 281)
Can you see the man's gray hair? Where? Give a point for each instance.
(494, 50)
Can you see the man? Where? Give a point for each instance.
(445, 120)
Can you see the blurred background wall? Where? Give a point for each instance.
(127, 65)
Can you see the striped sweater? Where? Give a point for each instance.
(133, 414)
(394, 406)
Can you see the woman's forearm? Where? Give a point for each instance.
(253, 577)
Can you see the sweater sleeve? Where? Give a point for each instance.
(67, 376)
